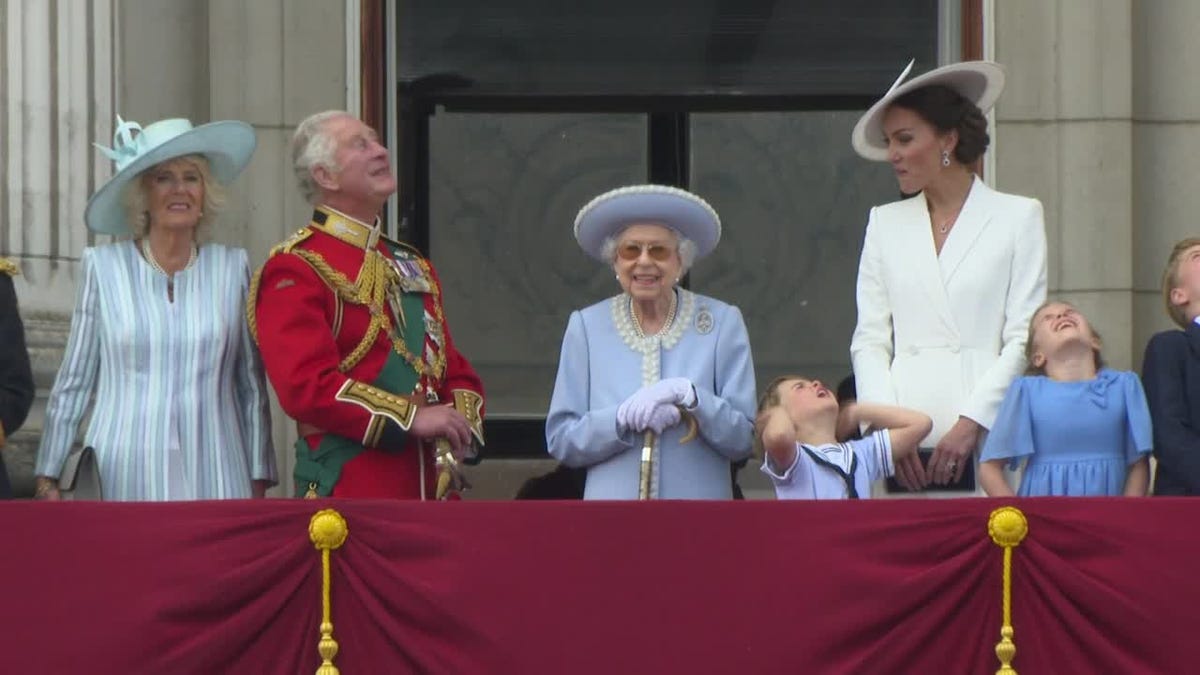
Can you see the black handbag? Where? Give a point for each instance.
(965, 485)
(80, 477)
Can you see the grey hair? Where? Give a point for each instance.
(686, 248)
(135, 199)
(312, 146)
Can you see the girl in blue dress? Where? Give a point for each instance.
(1084, 429)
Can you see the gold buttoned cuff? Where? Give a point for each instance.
(470, 404)
(383, 406)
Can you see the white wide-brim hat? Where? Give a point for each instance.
(980, 82)
(613, 211)
(226, 145)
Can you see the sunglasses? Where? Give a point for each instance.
(631, 251)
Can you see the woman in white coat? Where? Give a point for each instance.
(948, 278)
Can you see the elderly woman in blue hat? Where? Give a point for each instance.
(655, 386)
(159, 344)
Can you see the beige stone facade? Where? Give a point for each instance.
(1100, 121)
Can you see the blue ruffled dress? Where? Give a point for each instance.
(1079, 438)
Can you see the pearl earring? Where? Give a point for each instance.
(945, 158)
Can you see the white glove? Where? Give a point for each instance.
(624, 414)
(663, 417)
(636, 411)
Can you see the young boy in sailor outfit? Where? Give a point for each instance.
(798, 426)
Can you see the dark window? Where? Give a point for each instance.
(512, 114)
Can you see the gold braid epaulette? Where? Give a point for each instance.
(285, 246)
(375, 278)
(9, 267)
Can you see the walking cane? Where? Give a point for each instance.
(643, 490)
(647, 465)
(648, 453)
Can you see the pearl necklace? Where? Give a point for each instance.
(154, 262)
(637, 324)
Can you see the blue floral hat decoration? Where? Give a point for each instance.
(612, 211)
(227, 146)
(980, 82)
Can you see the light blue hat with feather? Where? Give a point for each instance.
(227, 145)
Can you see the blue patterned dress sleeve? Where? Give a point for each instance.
(1011, 435)
(1139, 437)
(76, 380)
(251, 387)
(576, 434)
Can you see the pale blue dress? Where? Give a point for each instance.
(179, 402)
(604, 361)
(1078, 438)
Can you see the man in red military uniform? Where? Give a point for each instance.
(353, 336)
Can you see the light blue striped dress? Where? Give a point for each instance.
(180, 406)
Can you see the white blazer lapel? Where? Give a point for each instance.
(972, 221)
(918, 240)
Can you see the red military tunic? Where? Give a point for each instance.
(354, 340)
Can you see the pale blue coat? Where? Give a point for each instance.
(599, 368)
(180, 406)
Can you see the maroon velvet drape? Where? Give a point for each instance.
(907, 586)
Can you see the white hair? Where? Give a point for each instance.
(684, 246)
(313, 146)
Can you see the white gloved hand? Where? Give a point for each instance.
(663, 417)
(636, 411)
(625, 414)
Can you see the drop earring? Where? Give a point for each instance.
(945, 158)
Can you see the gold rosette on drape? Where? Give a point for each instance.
(328, 531)
(1007, 527)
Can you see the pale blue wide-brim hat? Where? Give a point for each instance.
(613, 211)
(226, 145)
(980, 82)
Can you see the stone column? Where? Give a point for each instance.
(1064, 135)
(58, 86)
(1166, 150)
(272, 63)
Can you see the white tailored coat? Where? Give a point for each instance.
(945, 334)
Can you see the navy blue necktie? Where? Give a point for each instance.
(851, 491)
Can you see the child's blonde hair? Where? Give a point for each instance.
(1170, 279)
(1031, 369)
(767, 400)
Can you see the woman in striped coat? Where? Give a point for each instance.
(159, 344)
